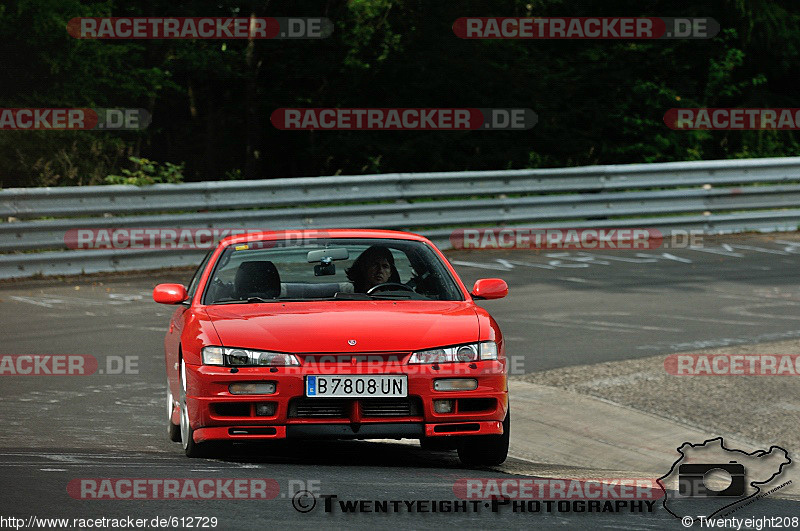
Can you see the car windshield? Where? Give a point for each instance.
(329, 269)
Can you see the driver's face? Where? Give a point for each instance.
(379, 272)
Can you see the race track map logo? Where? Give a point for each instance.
(709, 478)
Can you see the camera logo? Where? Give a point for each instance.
(696, 480)
(709, 479)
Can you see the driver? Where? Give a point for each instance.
(374, 266)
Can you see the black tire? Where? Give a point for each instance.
(486, 450)
(191, 448)
(438, 444)
(173, 430)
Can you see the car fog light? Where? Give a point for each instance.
(265, 409)
(456, 384)
(252, 388)
(443, 406)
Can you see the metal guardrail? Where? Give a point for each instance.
(715, 196)
(25, 203)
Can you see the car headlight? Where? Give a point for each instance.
(486, 350)
(240, 357)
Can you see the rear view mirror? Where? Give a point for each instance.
(338, 253)
(490, 288)
(170, 293)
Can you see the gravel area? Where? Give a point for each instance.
(763, 410)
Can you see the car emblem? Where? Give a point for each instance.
(351, 342)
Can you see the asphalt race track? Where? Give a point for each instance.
(566, 309)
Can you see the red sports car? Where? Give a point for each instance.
(342, 334)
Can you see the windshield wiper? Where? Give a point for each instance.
(248, 300)
(343, 296)
(278, 299)
(254, 300)
(261, 299)
(386, 296)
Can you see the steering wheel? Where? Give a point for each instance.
(389, 284)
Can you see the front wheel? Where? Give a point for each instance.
(486, 450)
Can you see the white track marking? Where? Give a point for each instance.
(47, 303)
(559, 324)
(68, 300)
(508, 265)
(565, 319)
(790, 247)
(590, 259)
(125, 297)
(759, 295)
(707, 320)
(146, 328)
(676, 258)
(717, 251)
(637, 327)
(571, 317)
(480, 265)
(742, 297)
(530, 264)
(558, 263)
(744, 310)
(619, 259)
(760, 249)
(665, 255)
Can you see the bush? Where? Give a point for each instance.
(148, 172)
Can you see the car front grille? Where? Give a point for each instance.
(320, 408)
(390, 407)
(370, 407)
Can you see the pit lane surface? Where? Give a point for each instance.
(565, 309)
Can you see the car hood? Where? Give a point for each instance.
(330, 326)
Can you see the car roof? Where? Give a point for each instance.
(321, 233)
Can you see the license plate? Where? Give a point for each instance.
(357, 386)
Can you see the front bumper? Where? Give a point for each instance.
(216, 414)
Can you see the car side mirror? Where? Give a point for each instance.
(170, 293)
(490, 288)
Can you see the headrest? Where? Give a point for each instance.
(257, 278)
